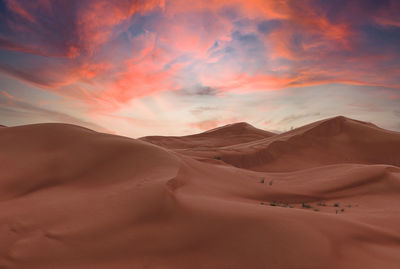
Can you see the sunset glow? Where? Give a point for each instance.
(136, 68)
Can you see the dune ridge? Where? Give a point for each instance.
(238, 133)
(330, 141)
(325, 195)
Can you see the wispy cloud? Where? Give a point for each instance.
(20, 108)
(104, 55)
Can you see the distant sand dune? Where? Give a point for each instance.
(331, 141)
(326, 195)
(237, 133)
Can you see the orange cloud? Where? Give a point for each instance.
(214, 44)
(95, 25)
(15, 6)
(6, 94)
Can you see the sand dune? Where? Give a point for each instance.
(325, 195)
(330, 141)
(238, 133)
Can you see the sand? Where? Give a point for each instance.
(326, 195)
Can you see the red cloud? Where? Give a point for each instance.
(174, 50)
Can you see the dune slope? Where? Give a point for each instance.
(330, 141)
(237, 133)
(75, 198)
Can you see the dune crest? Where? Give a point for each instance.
(330, 141)
(241, 132)
(325, 195)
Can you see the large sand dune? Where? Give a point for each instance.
(330, 141)
(238, 133)
(326, 195)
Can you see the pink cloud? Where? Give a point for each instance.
(176, 50)
(6, 94)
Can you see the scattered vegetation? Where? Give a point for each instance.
(305, 205)
(218, 158)
(270, 183)
(275, 203)
(263, 180)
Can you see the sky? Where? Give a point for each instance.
(177, 67)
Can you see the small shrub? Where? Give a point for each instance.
(321, 204)
(336, 205)
(262, 181)
(306, 205)
(270, 183)
(342, 209)
(273, 204)
(218, 158)
(262, 203)
(316, 209)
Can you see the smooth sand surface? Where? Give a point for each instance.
(326, 195)
(231, 134)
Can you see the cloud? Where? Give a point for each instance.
(76, 27)
(199, 91)
(104, 54)
(200, 110)
(268, 26)
(19, 108)
(296, 117)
